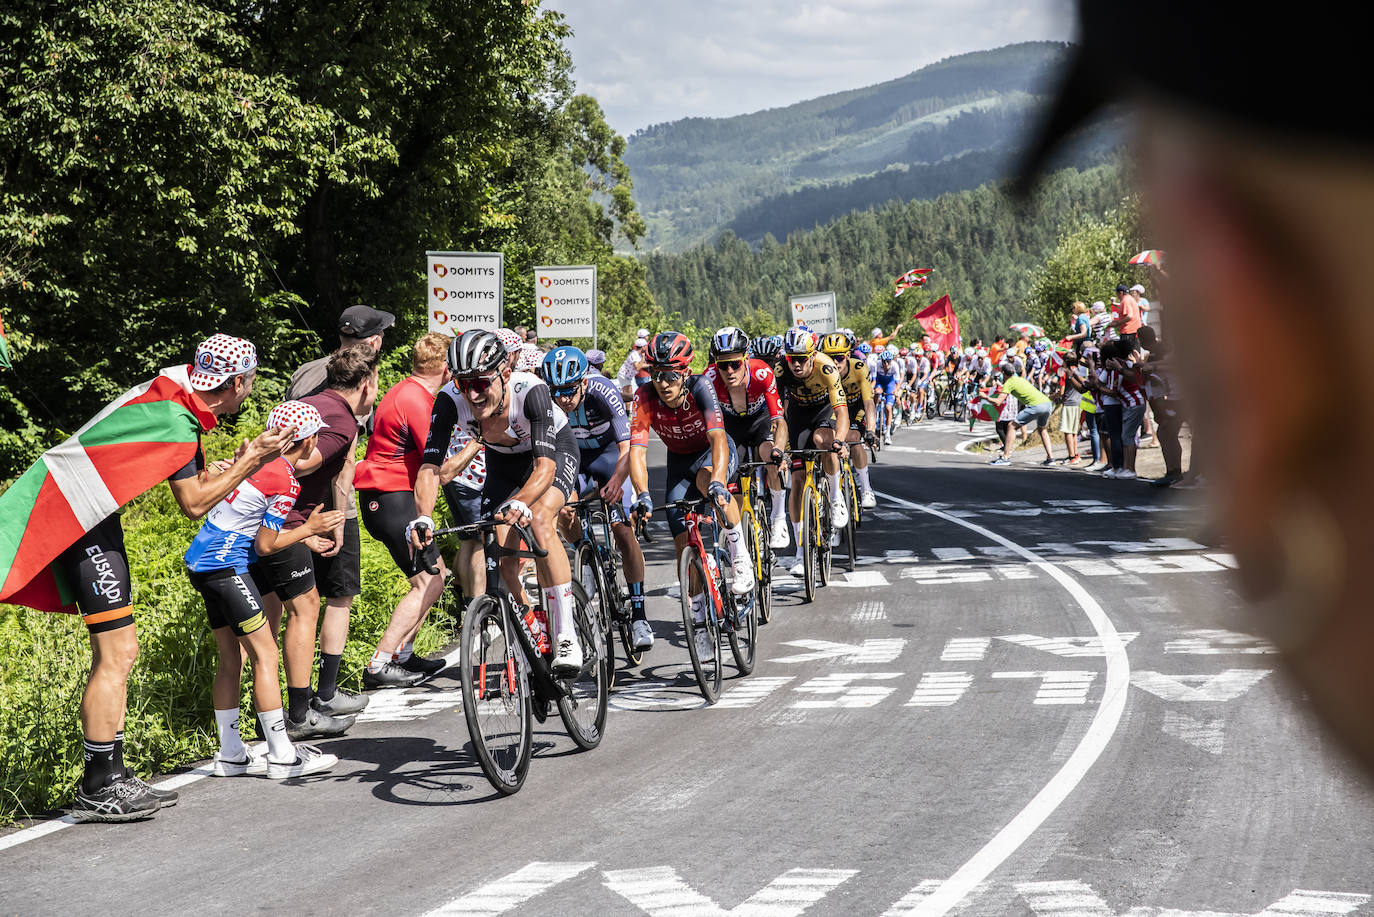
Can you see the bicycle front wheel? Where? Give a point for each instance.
(593, 578)
(806, 546)
(851, 529)
(744, 631)
(824, 528)
(706, 658)
(583, 708)
(758, 537)
(496, 695)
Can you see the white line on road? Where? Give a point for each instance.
(1077, 899)
(660, 892)
(510, 891)
(1057, 687)
(751, 692)
(1218, 688)
(872, 650)
(966, 649)
(940, 689)
(1095, 740)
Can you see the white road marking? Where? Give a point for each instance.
(1171, 563)
(1064, 687)
(1154, 544)
(1058, 547)
(1015, 833)
(946, 574)
(1077, 899)
(838, 690)
(510, 891)
(906, 906)
(1218, 643)
(1092, 567)
(1207, 733)
(966, 649)
(1218, 688)
(1014, 571)
(869, 613)
(876, 650)
(859, 579)
(400, 706)
(750, 692)
(660, 892)
(654, 697)
(1069, 647)
(948, 554)
(940, 689)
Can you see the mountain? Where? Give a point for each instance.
(951, 126)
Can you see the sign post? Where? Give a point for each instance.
(814, 310)
(464, 290)
(565, 302)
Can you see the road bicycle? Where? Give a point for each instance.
(596, 565)
(849, 533)
(506, 680)
(814, 546)
(727, 619)
(758, 533)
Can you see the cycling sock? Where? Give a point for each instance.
(230, 742)
(796, 537)
(329, 675)
(279, 747)
(637, 601)
(834, 481)
(117, 759)
(298, 702)
(779, 504)
(734, 541)
(406, 651)
(560, 601)
(862, 475)
(379, 659)
(99, 764)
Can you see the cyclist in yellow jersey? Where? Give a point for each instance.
(817, 418)
(858, 392)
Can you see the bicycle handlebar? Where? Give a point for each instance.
(489, 524)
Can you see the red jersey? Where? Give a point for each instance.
(399, 430)
(682, 430)
(760, 392)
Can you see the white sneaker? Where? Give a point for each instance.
(1125, 474)
(252, 764)
(569, 656)
(798, 566)
(641, 635)
(743, 570)
(779, 539)
(309, 760)
(868, 500)
(839, 513)
(1109, 473)
(706, 647)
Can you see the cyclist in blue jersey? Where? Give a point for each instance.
(601, 424)
(885, 384)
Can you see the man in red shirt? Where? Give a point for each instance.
(1127, 321)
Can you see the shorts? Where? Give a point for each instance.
(857, 418)
(507, 472)
(803, 419)
(231, 600)
(1038, 414)
(287, 573)
(1132, 416)
(341, 576)
(465, 506)
(595, 472)
(680, 481)
(385, 515)
(96, 568)
(749, 432)
(1069, 417)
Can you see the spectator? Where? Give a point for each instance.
(1166, 405)
(360, 328)
(1100, 322)
(1071, 412)
(596, 360)
(628, 377)
(1127, 320)
(1106, 388)
(1036, 410)
(1081, 330)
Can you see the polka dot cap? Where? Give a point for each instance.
(219, 358)
(530, 358)
(509, 339)
(304, 417)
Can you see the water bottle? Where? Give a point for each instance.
(536, 624)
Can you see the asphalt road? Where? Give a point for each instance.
(1036, 695)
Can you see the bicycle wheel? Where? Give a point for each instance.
(496, 695)
(584, 707)
(756, 532)
(593, 578)
(744, 630)
(823, 532)
(805, 544)
(707, 670)
(851, 529)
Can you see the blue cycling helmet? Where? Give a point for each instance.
(728, 340)
(563, 366)
(865, 348)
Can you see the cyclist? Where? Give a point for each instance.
(817, 417)
(885, 389)
(768, 349)
(531, 458)
(748, 394)
(858, 393)
(685, 413)
(924, 371)
(598, 419)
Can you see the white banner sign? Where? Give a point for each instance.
(465, 290)
(816, 311)
(565, 302)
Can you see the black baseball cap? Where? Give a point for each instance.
(364, 321)
(1292, 76)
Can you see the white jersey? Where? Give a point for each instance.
(626, 377)
(519, 420)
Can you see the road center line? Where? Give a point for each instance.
(1108, 716)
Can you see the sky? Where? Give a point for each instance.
(650, 61)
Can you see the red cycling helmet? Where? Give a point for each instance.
(671, 349)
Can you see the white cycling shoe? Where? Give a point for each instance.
(798, 566)
(868, 500)
(641, 635)
(779, 539)
(568, 659)
(743, 570)
(839, 513)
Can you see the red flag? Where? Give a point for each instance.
(940, 323)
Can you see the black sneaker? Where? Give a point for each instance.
(342, 703)
(391, 675)
(166, 797)
(317, 725)
(1169, 480)
(426, 667)
(118, 800)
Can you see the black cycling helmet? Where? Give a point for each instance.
(728, 340)
(475, 353)
(767, 348)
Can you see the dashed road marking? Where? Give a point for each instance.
(840, 690)
(1070, 687)
(660, 892)
(879, 650)
(1069, 647)
(940, 689)
(869, 613)
(965, 649)
(1218, 688)
(1077, 899)
(510, 891)
(1207, 733)
(751, 692)
(400, 706)
(1219, 643)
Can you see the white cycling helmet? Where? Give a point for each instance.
(968, 351)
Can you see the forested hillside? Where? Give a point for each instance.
(949, 126)
(983, 249)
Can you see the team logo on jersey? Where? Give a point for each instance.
(761, 375)
(373, 506)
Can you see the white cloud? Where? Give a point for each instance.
(652, 61)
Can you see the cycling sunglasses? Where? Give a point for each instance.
(798, 358)
(733, 363)
(566, 391)
(478, 384)
(667, 375)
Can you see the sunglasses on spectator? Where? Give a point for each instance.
(667, 375)
(566, 391)
(478, 384)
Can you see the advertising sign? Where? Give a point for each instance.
(565, 302)
(464, 290)
(816, 311)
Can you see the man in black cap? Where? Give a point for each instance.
(360, 328)
(1264, 209)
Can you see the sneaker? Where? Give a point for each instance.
(251, 764)
(839, 513)
(1125, 474)
(706, 647)
(641, 635)
(868, 500)
(1000, 461)
(309, 760)
(391, 675)
(424, 665)
(779, 539)
(1169, 480)
(317, 725)
(798, 567)
(568, 659)
(742, 570)
(118, 800)
(341, 704)
(1109, 473)
(165, 797)
(1048, 462)
(1073, 461)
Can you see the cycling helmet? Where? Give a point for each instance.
(475, 353)
(835, 344)
(766, 348)
(727, 340)
(798, 341)
(903, 352)
(563, 366)
(1042, 345)
(865, 348)
(969, 351)
(670, 348)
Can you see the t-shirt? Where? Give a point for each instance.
(395, 449)
(626, 377)
(1130, 310)
(311, 379)
(335, 443)
(1025, 393)
(684, 429)
(263, 500)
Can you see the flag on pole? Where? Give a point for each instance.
(912, 278)
(4, 347)
(980, 408)
(940, 323)
(138, 440)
